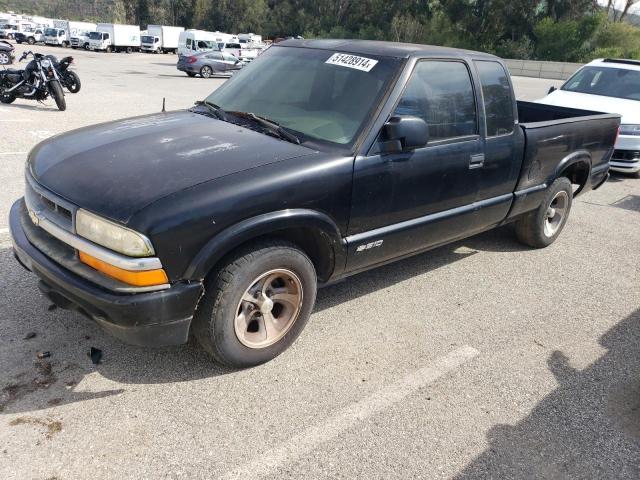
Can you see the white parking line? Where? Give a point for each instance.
(349, 416)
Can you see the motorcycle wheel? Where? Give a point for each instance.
(58, 95)
(7, 98)
(72, 82)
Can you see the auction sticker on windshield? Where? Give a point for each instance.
(352, 61)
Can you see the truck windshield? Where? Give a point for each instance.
(95, 35)
(317, 94)
(146, 39)
(51, 32)
(606, 81)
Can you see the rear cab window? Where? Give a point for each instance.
(497, 98)
(441, 93)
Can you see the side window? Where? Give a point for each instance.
(188, 43)
(498, 100)
(106, 36)
(441, 93)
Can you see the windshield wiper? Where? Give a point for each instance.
(270, 125)
(214, 109)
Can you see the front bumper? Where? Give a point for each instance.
(148, 319)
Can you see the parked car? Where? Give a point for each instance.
(31, 36)
(234, 48)
(608, 85)
(7, 53)
(318, 160)
(207, 64)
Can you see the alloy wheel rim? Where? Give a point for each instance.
(268, 308)
(555, 214)
(206, 72)
(4, 58)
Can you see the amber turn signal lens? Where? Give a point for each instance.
(143, 278)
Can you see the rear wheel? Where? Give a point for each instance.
(129, 50)
(72, 81)
(206, 71)
(256, 304)
(541, 227)
(31, 40)
(58, 95)
(5, 59)
(65, 44)
(86, 46)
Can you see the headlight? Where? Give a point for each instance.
(630, 130)
(46, 63)
(111, 235)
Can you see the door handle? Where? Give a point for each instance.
(476, 161)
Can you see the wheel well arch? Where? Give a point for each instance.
(577, 168)
(313, 232)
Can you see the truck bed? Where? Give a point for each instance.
(555, 138)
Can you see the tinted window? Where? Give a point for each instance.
(188, 43)
(498, 102)
(607, 81)
(441, 93)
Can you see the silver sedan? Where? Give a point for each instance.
(208, 64)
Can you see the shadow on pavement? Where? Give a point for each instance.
(589, 427)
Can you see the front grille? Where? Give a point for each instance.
(630, 156)
(49, 205)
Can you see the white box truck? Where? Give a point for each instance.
(112, 37)
(63, 30)
(194, 41)
(161, 39)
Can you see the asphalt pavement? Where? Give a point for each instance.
(480, 359)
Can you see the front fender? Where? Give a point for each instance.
(266, 224)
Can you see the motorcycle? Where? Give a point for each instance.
(68, 78)
(37, 81)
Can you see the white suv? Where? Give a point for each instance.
(609, 86)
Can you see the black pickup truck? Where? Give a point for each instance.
(319, 160)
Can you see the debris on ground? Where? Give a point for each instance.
(42, 355)
(52, 426)
(29, 336)
(96, 355)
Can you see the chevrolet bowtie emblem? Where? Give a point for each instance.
(34, 217)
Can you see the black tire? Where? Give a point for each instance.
(72, 81)
(65, 44)
(31, 40)
(108, 49)
(535, 228)
(86, 46)
(129, 50)
(206, 71)
(215, 317)
(7, 98)
(5, 58)
(58, 95)
(191, 74)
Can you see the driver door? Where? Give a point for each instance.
(408, 201)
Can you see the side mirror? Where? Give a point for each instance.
(404, 133)
(551, 90)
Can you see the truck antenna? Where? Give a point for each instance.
(163, 109)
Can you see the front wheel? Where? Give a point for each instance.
(256, 304)
(31, 40)
(7, 98)
(541, 227)
(5, 58)
(58, 95)
(72, 81)
(108, 49)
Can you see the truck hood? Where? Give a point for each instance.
(629, 109)
(115, 169)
